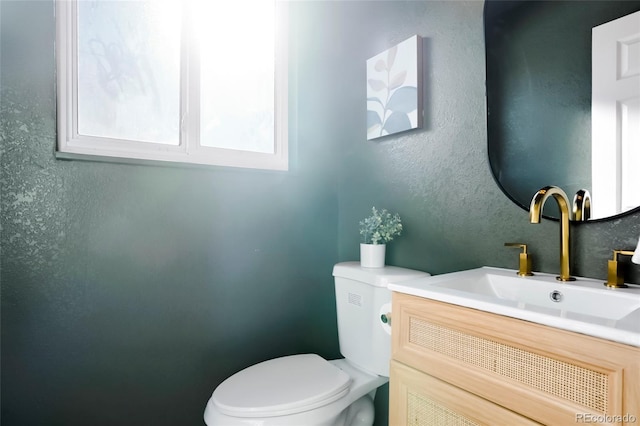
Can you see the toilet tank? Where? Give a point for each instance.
(362, 298)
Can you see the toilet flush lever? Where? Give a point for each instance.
(386, 318)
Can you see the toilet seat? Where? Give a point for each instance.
(281, 386)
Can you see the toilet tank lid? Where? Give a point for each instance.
(379, 277)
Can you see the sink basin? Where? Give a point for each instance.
(584, 306)
(541, 292)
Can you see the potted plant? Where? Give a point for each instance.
(376, 231)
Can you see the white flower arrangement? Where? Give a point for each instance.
(381, 227)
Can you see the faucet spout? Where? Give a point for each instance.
(535, 212)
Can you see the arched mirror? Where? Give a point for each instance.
(539, 70)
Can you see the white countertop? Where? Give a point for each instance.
(588, 307)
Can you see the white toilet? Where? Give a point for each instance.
(307, 390)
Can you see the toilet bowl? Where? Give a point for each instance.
(306, 389)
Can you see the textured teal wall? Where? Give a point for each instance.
(129, 292)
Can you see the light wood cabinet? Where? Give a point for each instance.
(482, 368)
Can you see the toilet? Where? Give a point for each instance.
(308, 390)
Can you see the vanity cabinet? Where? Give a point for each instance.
(460, 366)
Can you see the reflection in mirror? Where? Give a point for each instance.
(539, 95)
(615, 115)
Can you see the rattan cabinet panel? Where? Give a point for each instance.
(418, 399)
(551, 376)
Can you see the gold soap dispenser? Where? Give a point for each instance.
(524, 268)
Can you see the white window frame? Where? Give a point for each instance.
(189, 150)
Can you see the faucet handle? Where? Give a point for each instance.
(582, 205)
(615, 276)
(524, 269)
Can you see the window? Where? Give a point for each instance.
(196, 81)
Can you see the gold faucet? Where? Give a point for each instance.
(535, 212)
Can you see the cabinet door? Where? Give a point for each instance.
(551, 376)
(417, 399)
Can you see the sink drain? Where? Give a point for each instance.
(556, 296)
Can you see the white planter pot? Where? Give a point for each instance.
(372, 255)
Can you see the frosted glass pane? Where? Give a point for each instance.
(129, 70)
(237, 49)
